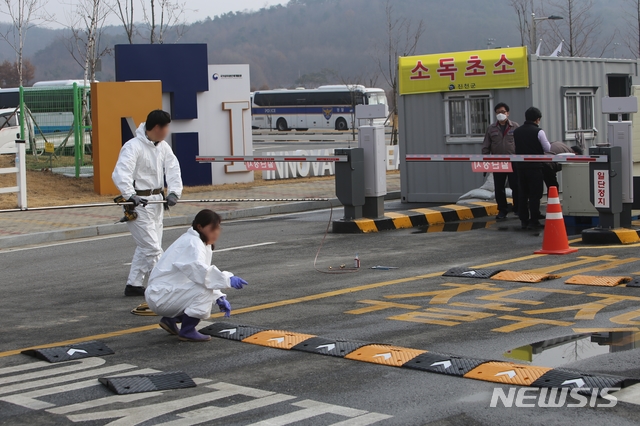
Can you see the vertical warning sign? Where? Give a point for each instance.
(601, 189)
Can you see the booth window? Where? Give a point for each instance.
(579, 113)
(468, 115)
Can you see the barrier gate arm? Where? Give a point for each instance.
(424, 158)
(275, 159)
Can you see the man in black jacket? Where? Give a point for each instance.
(530, 139)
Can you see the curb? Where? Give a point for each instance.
(417, 217)
(503, 372)
(610, 236)
(119, 228)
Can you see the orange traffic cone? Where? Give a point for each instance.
(555, 239)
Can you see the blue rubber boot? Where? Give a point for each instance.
(188, 331)
(170, 325)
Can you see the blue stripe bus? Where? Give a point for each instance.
(327, 107)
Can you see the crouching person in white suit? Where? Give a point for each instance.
(184, 284)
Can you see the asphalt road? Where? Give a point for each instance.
(73, 291)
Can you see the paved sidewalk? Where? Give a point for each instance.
(35, 227)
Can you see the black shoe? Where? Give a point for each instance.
(130, 290)
(535, 226)
(501, 216)
(523, 225)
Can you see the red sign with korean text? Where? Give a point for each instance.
(492, 167)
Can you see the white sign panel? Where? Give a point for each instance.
(601, 193)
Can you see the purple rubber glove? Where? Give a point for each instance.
(238, 283)
(225, 306)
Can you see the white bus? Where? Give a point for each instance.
(327, 107)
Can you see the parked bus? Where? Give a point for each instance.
(327, 107)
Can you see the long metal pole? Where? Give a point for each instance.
(217, 200)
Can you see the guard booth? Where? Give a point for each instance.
(446, 104)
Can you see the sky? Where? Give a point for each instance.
(197, 9)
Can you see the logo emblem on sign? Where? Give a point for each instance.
(327, 112)
(216, 76)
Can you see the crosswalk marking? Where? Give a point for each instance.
(25, 385)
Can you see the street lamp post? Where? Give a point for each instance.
(534, 23)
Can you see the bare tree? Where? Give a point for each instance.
(162, 15)
(524, 9)
(124, 11)
(86, 30)
(24, 15)
(579, 29)
(632, 16)
(402, 38)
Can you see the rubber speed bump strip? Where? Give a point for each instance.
(472, 273)
(598, 281)
(332, 347)
(634, 283)
(70, 353)
(444, 364)
(416, 359)
(523, 277)
(382, 354)
(507, 373)
(230, 331)
(148, 383)
(560, 378)
(417, 217)
(277, 339)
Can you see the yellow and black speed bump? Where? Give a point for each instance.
(417, 359)
(561, 378)
(472, 273)
(230, 331)
(332, 347)
(417, 217)
(451, 365)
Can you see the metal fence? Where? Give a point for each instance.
(55, 121)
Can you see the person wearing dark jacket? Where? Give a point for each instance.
(530, 139)
(499, 141)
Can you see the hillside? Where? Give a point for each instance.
(316, 38)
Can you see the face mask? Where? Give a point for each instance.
(501, 117)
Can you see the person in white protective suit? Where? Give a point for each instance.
(144, 163)
(184, 284)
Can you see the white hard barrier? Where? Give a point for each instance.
(419, 158)
(20, 169)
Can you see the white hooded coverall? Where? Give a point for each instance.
(185, 281)
(145, 165)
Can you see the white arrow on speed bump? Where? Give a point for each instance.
(578, 382)
(509, 373)
(72, 352)
(231, 331)
(444, 364)
(277, 339)
(328, 347)
(385, 356)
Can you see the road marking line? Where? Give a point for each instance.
(585, 260)
(264, 306)
(247, 246)
(310, 409)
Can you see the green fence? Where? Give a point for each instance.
(55, 122)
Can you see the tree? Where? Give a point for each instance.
(160, 16)
(24, 15)
(632, 16)
(402, 38)
(86, 30)
(124, 11)
(579, 29)
(524, 9)
(9, 73)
